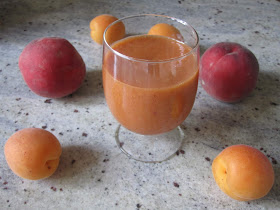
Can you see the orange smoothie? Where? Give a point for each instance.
(150, 88)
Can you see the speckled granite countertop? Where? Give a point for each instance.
(93, 173)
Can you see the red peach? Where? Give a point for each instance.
(228, 71)
(52, 67)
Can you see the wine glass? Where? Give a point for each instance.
(150, 80)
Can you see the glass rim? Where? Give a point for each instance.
(150, 61)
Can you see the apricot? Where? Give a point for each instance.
(52, 67)
(228, 71)
(242, 172)
(100, 23)
(165, 29)
(33, 153)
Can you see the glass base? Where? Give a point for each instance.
(149, 148)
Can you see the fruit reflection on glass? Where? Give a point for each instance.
(150, 82)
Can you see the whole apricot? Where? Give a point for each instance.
(100, 23)
(33, 153)
(228, 71)
(52, 67)
(242, 172)
(165, 29)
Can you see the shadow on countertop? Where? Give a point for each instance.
(76, 160)
(92, 84)
(261, 104)
(275, 191)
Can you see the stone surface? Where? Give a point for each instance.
(93, 173)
